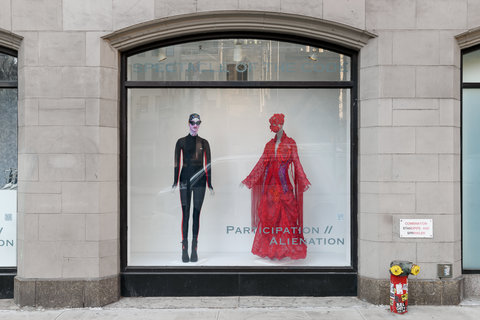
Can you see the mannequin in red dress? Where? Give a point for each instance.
(277, 205)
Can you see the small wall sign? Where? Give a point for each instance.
(416, 228)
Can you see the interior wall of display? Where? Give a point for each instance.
(319, 116)
(235, 122)
(8, 177)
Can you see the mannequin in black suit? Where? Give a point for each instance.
(194, 176)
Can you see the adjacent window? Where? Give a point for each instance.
(294, 207)
(8, 158)
(471, 158)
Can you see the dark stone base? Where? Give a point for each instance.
(420, 292)
(376, 291)
(66, 293)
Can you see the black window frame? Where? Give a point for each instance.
(238, 281)
(464, 85)
(7, 274)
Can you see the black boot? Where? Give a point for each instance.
(185, 251)
(194, 257)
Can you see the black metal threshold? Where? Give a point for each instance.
(6, 285)
(162, 284)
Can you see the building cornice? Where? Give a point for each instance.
(10, 40)
(245, 21)
(469, 38)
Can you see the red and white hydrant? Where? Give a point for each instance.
(399, 271)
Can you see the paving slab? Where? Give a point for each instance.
(263, 314)
(138, 314)
(176, 303)
(30, 314)
(471, 301)
(422, 312)
(334, 314)
(7, 304)
(301, 302)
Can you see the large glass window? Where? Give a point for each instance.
(199, 115)
(8, 159)
(471, 159)
(239, 59)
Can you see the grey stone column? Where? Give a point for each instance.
(68, 234)
(410, 146)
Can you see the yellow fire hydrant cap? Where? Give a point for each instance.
(415, 270)
(396, 270)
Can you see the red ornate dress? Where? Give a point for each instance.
(277, 205)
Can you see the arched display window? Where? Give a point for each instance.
(8, 170)
(215, 203)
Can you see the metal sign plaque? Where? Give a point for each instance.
(416, 228)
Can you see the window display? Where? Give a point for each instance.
(8, 160)
(234, 128)
(278, 159)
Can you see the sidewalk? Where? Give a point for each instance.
(233, 308)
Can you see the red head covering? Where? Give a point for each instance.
(277, 118)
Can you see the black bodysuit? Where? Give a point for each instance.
(195, 175)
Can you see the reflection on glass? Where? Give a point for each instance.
(8, 177)
(239, 60)
(471, 178)
(236, 124)
(471, 66)
(8, 68)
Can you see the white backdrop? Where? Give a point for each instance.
(235, 122)
(8, 228)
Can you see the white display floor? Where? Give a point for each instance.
(210, 259)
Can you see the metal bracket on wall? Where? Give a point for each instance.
(444, 270)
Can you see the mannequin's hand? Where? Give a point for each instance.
(212, 192)
(241, 185)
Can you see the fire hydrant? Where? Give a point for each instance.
(399, 271)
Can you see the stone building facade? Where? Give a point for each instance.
(408, 162)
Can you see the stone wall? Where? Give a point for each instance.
(410, 134)
(409, 148)
(68, 224)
